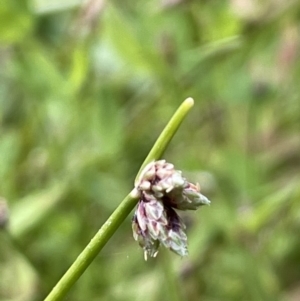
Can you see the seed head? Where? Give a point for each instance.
(154, 224)
(161, 188)
(164, 182)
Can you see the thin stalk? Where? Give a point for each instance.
(167, 134)
(118, 216)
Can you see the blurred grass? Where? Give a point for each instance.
(85, 91)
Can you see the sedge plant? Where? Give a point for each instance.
(159, 189)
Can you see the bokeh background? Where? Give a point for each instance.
(85, 90)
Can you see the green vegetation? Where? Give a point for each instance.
(84, 94)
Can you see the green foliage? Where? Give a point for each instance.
(83, 96)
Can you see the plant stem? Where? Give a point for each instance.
(167, 134)
(118, 216)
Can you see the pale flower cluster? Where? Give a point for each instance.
(162, 189)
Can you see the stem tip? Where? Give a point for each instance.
(189, 101)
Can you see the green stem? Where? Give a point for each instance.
(118, 216)
(167, 134)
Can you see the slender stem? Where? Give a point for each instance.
(118, 216)
(167, 134)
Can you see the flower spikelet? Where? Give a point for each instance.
(163, 189)
(162, 181)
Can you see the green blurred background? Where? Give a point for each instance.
(85, 89)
